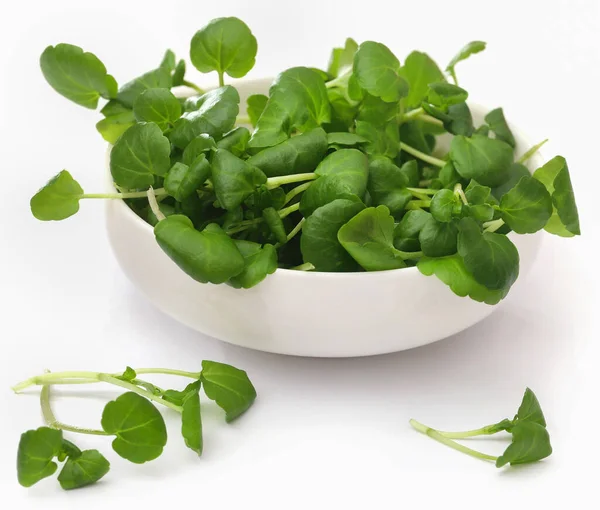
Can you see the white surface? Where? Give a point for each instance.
(323, 433)
(345, 308)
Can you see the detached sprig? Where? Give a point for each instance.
(530, 439)
(139, 428)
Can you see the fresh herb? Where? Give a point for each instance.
(132, 419)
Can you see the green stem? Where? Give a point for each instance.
(492, 226)
(453, 74)
(193, 86)
(241, 119)
(136, 389)
(421, 155)
(342, 79)
(221, 80)
(307, 266)
(288, 210)
(419, 113)
(275, 182)
(295, 230)
(122, 196)
(531, 152)
(425, 182)
(483, 431)
(418, 204)
(412, 255)
(154, 205)
(434, 434)
(458, 191)
(167, 371)
(296, 191)
(423, 191)
(243, 225)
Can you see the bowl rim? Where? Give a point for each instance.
(139, 222)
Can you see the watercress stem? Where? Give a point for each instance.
(167, 371)
(458, 191)
(531, 151)
(221, 80)
(418, 204)
(275, 182)
(296, 229)
(419, 113)
(483, 431)
(421, 155)
(193, 86)
(296, 191)
(242, 119)
(423, 191)
(136, 389)
(288, 210)
(128, 194)
(307, 266)
(492, 226)
(154, 205)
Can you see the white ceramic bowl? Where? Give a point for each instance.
(306, 313)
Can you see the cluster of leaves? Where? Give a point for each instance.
(135, 422)
(530, 439)
(338, 174)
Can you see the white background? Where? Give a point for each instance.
(323, 433)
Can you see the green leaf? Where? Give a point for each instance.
(555, 176)
(213, 113)
(156, 79)
(345, 139)
(530, 409)
(255, 105)
(515, 172)
(381, 140)
(465, 52)
(438, 239)
(530, 443)
(377, 71)
(235, 141)
(182, 181)
(299, 154)
(229, 387)
(411, 170)
(452, 271)
(141, 153)
(448, 175)
(36, 450)
(350, 166)
(159, 106)
(343, 111)
(491, 258)
(369, 238)
(58, 199)
(322, 191)
(445, 205)
(206, 256)
(234, 179)
(86, 469)
(191, 420)
(484, 159)
(225, 45)
(178, 78)
(387, 185)
(460, 120)
(527, 207)
(68, 449)
(169, 61)
(113, 126)
(411, 224)
(443, 94)
(298, 101)
(499, 126)
(275, 224)
(128, 375)
(419, 71)
(263, 198)
(178, 397)
(412, 133)
(77, 75)
(202, 144)
(138, 425)
(342, 58)
(260, 261)
(377, 111)
(319, 242)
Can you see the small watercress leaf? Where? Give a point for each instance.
(113, 126)
(387, 185)
(376, 111)
(319, 242)
(68, 449)
(191, 419)
(530, 409)
(225, 45)
(459, 120)
(178, 397)
(438, 239)
(448, 176)
(515, 172)
(530, 443)
(411, 224)
(497, 123)
(382, 140)
(275, 224)
(411, 170)
(527, 207)
(86, 469)
(36, 450)
(345, 139)
(260, 261)
(169, 61)
(229, 387)
(178, 77)
(412, 133)
(350, 166)
(465, 52)
(182, 181)
(419, 71)
(264, 197)
(444, 205)
(159, 78)
(343, 111)
(255, 104)
(322, 191)
(209, 255)
(342, 58)
(377, 70)
(159, 106)
(444, 94)
(77, 75)
(235, 141)
(202, 144)
(491, 258)
(58, 199)
(128, 375)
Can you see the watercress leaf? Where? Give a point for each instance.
(376, 111)
(491, 258)
(448, 176)
(113, 107)
(299, 154)
(159, 106)
(484, 159)
(178, 397)
(387, 185)
(481, 213)
(412, 134)
(255, 104)
(515, 172)
(438, 239)
(213, 113)
(555, 176)
(209, 255)
(202, 144)
(322, 191)
(234, 179)
(275, 224)
(113, 126)
(156, 79)
(369, 238)
(452, 271)
(86, 469)
(178, 77)
(477, 194)
(419, 71)
(141, 153)
(382, 140)
(530, 409)
(191, 420)
(527, 207)
(264, 197)
(229, 387)
(444, 205)
(260, 261)
(298, 101)
(444, 94)
(58, 199)
(484, 130)
(411, 170)
(225, 45)
(460, 120)
(235, 141)
(169, 61)
(530, 443)
(343, 111)
(499, 126)
(342, 58)
(351, 166)
(36, 450)
(182, 180)
(377, 71)
(68, 449)
(345, 139)
(77, 75)
(128, 375)
(464, 53)
(411, 224)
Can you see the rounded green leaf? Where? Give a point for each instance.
(260, 261)
(497, 123)
(444, 94)
(86, 469)
(530, 443)
(419, 71)
(411, 224)
(182, 181)
(515, 173)
(275, 224)
(235, 141)
(159, 106)
(382, 140)
(138, 425)
(438, 239)
(530, 409)
(113, 126)
(77, 75)
(527, 207)
(255, 104)
(225, 45)
(202, 144)
(387, 185)
(36, 450)
(191, 420)
(345, 139)
(156, 79)
(58, 199)
(444, 205)
(342, 58)
(322, 191)
(351, 166)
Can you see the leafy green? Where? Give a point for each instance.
(260, 261)
(530, 409)
(348, 165)
(342, 58)
(202, 144)
(37, 448)
(387, 185)
(182, 181)
(58, 199)
(113, 126)
(515, 172)
(159, 78)
(275, 224)
(255, 105)
(191, 420)
(86, 469)
(530, 443)
(499, 126)
(527, 207)
(235, 141)
(438, 239)
(381, 140)
(445, 205)
(159, 106)
(419, 71)
(443, 94)
(465, 52)
(345, 139)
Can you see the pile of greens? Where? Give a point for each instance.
(338, 173)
